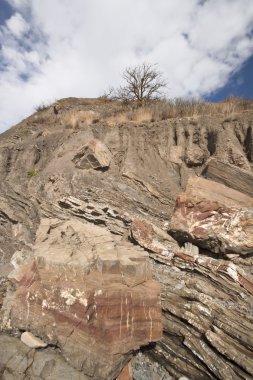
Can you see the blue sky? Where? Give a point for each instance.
(50, 49)
(239, 84)
(5, 11)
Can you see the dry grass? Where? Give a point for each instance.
(81, 118)
(141, 115)
(192, 108)
(114, 119)
(117, 112)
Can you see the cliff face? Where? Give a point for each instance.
(111, 234)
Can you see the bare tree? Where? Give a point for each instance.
(143, 82)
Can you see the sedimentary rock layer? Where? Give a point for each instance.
(84, 219)
(82, 290)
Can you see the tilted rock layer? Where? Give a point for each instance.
(112, 233)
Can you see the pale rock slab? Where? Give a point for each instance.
(32, 341)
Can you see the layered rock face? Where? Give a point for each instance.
(85, 293)
(207, 292)
(110, 235)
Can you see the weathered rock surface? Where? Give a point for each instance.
(207, 319)
(81, 289)
(94, 155)
(219, 226)
(19, 362)
(230, 175)
(82, 251)
(151, 237)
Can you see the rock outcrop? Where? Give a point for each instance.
(94, 155)
(207, 293)
(230, 175)
(110, 234)
(82, 289)
(222, 225)
(17, 361)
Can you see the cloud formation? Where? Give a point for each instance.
(58, 48)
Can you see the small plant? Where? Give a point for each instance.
(25, 131)
(108, 95)
(41, 107)
(32, 173)
(39, 119)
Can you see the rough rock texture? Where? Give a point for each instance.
(19, 362)
(144, 368)
(80, 289)
(82, 251)
(151, 237)
(230, 175)
(221, 226)
(94, 155)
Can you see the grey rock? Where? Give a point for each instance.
(230, 175)
(138, 173)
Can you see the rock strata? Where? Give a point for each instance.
(87, 261)
(230, 175)
(81, 289)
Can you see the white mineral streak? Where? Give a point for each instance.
(232, 271)
(151, 324)
(121, 314)
(98, 292)
(28, 305)
(156, 244)
(127, 320)
(204, 310)
(71, 296)
(18, 258)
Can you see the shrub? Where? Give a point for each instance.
(32, 172)
(41, 107)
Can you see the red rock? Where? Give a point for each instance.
(222, 226)
(151, 237)
(65, 298)
(126, 374)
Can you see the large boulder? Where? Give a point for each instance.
(82, 289)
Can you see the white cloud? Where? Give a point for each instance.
(80, 47)
(17, 25)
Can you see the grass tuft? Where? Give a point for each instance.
(32, 172)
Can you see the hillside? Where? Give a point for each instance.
(124, 229)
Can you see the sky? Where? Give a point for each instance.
(51, 49)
